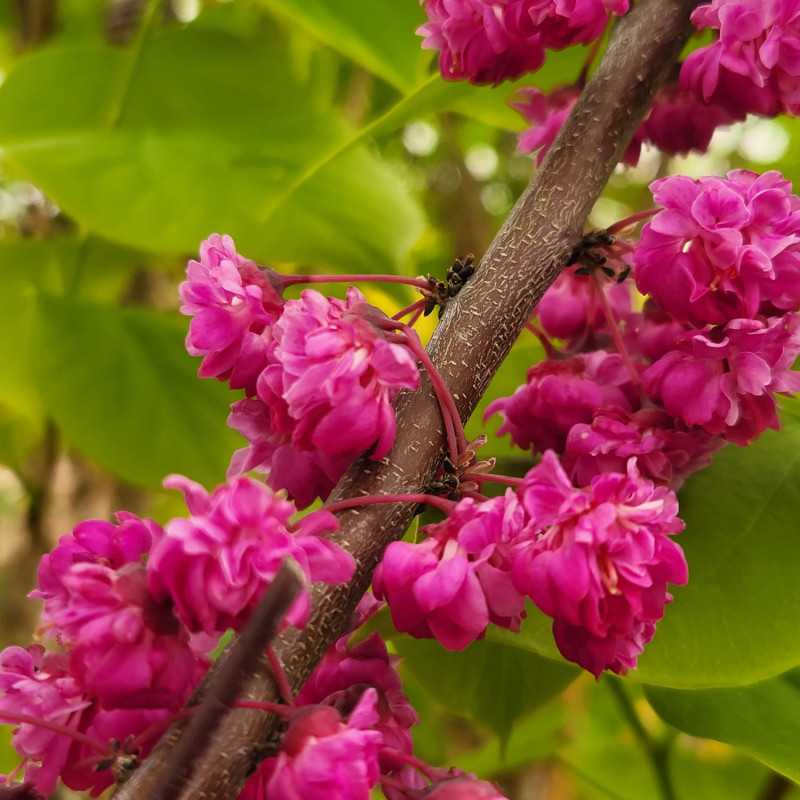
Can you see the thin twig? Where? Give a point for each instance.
(227, 681)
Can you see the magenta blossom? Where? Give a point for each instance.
(601, 561)
(324, 758)
(452, 584)
(560, 394)
(666, 452)
(461, 788)
(548, 113)
(680, 123)
(754, 64)
(129, 649)
(232, 302)
(483, 41)
(653, 332)
(39, 684)
(215, 565)
(119, 729)
(571, 309)
(725, 379)
(722, 248)
(567, 22)
(345, 673)
(332, 369)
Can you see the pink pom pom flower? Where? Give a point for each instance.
(560, 394)
(725, 379)
(232, 302)
(482, 41)
(722, 248)
(451, 585)
(215, 565)
(601, 561)
(129, 649)
(754, 64)
(332, 369)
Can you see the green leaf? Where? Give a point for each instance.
(735, 623)
(379, 34)
(123, 391)
(203, 131)
(762, 720)
(491, 683)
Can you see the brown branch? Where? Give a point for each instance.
(475, 335)
(226, 682)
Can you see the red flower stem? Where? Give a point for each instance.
(444, 505)
(278, 673)
(490, 477)
(412, 761)
(416, 315)
(549, 349)
(417, 283)
(419, 305)
(446, 401)
(632, 220)
(271, 708)
(63, 730)
(616, 333)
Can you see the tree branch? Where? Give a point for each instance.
(475, 335)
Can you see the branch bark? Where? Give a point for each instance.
(475, 335)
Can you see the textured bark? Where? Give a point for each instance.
(475, 335)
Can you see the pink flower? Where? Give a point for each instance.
(322, 757)
(680, 122)
(232, 302)
(722, 248)
(571, 308)
(215, 565)
(462, 788)
(653, 332)
(483, 41)
(345, 673)
(548, 113)
(601, 561)
(121, 729)
(567, 22)
(754, 64)
(331, 369)
(665, 452)
(128, 648)
(560, 394)
(38, 684)
(451, 585)
(725, 379)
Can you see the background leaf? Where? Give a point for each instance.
(154, 163)
(494, 684)
(763, 720)
(119, 384)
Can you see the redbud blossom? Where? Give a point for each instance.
(601, 561)
(722, 248)
(215, 565)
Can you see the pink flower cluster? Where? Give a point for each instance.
(350, 728)
(489, 41)
(310, 368)
(597, 559)
(132, 610)
(753, 64)
(678, 122)
(722, 258)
